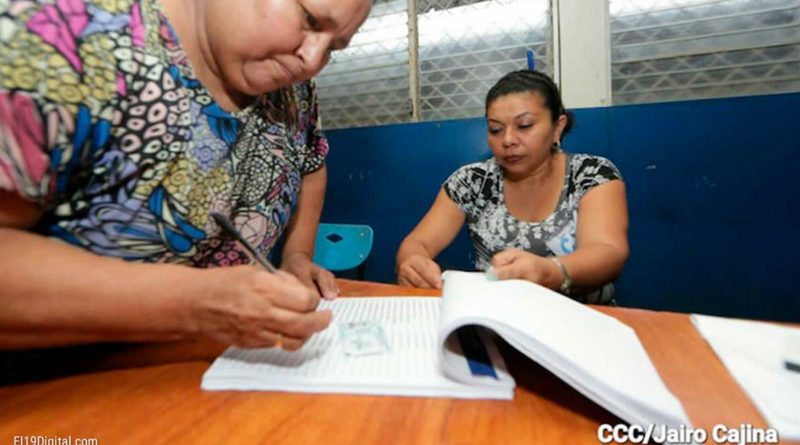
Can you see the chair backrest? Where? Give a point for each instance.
(342, 246)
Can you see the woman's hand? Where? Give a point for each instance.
(515, 263)
(248, 307)
(314, 276)
(419, 271)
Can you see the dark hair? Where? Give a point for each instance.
(530, 81)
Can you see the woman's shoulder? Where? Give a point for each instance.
(74, 54)
(588, 171)
(585, 165)
(470, 181)
(475, 170)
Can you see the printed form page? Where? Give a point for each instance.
(383, 345)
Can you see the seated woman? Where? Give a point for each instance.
(533, 211)
(124, 126)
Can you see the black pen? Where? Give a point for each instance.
(791, 352)
(228, 228)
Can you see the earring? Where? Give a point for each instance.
(557, 145)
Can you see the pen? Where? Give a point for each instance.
(791, 352)
(228, 228)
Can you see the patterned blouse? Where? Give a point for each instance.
(105, 126)
(477, 189)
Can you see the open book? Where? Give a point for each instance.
(444, 348)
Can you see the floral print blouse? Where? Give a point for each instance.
(104, 125)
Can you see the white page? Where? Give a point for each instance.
(595, 353)
(752, 352)
(409, 368)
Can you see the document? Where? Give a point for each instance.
(754, 353)
(443, 347)
(409, 366)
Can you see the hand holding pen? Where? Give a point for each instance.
(313, 276)
(228, 229)
(257, 307)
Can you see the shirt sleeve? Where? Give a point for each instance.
(52, 95)
(311, 126)
(25, 162)
(593, 171)
(460, 188)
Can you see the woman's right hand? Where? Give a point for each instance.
(248, 307)
(419, 271)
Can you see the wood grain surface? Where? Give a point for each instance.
(150, 393)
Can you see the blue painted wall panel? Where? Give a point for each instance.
(712, 193)
(388, 177)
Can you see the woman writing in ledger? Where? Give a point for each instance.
(123, 126)
(533, 211)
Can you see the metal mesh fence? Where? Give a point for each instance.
(464, 47)
(665, 50)
(367, 82)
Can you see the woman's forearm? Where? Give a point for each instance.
(411, 246)
(594, 265)
(302, 231)
(54, 293)
(435, 232)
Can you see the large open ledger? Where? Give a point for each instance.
(444, 347)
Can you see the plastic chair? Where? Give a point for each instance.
(343, 246)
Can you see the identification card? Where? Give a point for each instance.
(363, 338)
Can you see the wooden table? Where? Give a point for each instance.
(136, 394)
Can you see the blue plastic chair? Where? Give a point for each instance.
(343, 246)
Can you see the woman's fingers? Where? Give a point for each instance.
(326, 282)
(505, 257)
(268, 339)
(421, 272)
(413, 277)
(288, 292)
(431, 274)
(249, 307)
(292, 328)
(522, 265)
(510, 264)
(509, 271)
(295, 324)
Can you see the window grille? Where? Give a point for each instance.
(665, 50)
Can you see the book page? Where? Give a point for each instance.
(753, 352)
(332, 362)
(593, 352)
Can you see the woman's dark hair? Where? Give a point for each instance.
(529, 81)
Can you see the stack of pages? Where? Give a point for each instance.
(756, 354)
(443, 347)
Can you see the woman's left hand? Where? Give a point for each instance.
(312, 275)
(515, 263)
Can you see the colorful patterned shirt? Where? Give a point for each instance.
(104, 125)
(477, 189)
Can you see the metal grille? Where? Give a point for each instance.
(664, 50)
(465, 46)
(367, 82)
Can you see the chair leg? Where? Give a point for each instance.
(360, 272)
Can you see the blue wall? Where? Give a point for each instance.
(712, 192)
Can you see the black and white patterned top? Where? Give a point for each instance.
(477, 189)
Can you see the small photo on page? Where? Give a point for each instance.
(363, 338)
